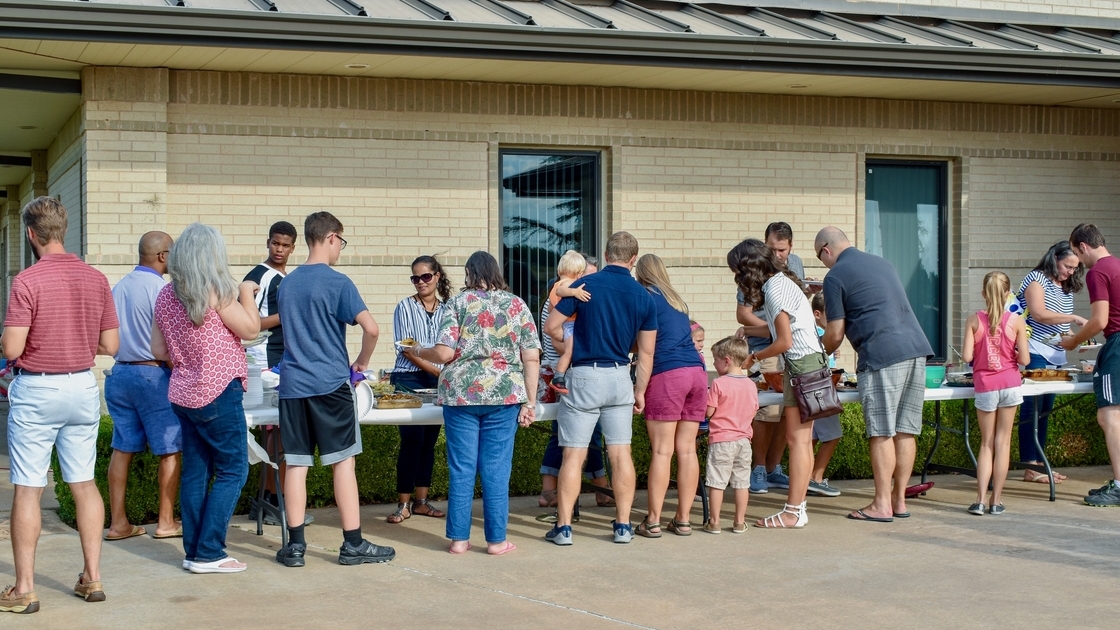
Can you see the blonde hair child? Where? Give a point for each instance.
(571, 267)
(995, 341)
(732, 403)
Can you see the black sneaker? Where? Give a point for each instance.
(1107, 496)
(291, 555)
(365, 552)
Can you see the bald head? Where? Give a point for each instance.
(828, 245)
(154, 247)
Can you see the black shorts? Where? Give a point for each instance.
(1106, 373)
(326, 421)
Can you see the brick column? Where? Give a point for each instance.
(125, 118)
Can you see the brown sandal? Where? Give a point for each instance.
(431, 511)
(404, 511)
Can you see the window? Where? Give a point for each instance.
(549, 204)
(907, 225)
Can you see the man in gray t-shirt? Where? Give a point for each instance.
(865, 300)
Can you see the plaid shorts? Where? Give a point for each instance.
(892, 398)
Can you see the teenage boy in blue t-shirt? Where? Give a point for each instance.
(317, 303)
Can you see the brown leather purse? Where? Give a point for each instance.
(816, 395)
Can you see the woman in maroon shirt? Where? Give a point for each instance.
(201, 318)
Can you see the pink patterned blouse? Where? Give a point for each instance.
(206, 357)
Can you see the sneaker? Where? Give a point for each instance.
(977, 509)
(822, 489)
(777, 478)
(623, 532)
(1101, 489)
(1107, 496)
(24, 604)
(365, 552)
(291, 555)
(996, 509)
(560, 534)
(89, 591)
(758, 480)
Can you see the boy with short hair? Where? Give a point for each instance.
(316, 398)
(571, 267)
(732, 404)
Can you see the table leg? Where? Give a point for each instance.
(967, 441)
(936, 439)
(1042, 453)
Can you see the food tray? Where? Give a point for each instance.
(427, 395)
(398, 401)
(1047, 375)
(1083, 377)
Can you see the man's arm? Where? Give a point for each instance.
(159, 345)
(647, 340)
(370, 333)
(833, 335)
(1096, 323)
(109, 341)
(14, 341)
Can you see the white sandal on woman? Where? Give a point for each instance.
(775, 521)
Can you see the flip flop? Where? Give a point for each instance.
(508, 548)
(175, 534)
(459, 553)
(216, 566)
(902, 515)
(865, 517)
(136, 531)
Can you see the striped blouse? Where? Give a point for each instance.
(410, 319)
(781, 294)
(1057, 301)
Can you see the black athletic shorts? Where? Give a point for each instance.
(1106, 373)
(326, 421)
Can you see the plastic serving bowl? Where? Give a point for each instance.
(935, 375)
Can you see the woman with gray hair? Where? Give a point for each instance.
(201, 316)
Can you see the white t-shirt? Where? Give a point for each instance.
(781, 294)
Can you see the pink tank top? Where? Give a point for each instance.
(993, 357)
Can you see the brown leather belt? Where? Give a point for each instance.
(149, 363)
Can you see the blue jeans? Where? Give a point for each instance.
(479, 443)
(554, 455)
(1045, 402)
(215, 465)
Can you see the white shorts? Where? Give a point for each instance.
(990, 401)
(62, 411)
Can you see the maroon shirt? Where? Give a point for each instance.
(1103, 281)
(66, 304)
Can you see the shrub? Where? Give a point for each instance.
(1074, 440)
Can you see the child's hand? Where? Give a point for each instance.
(581, 295)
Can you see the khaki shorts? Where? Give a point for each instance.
(773, 413)
(729, 462)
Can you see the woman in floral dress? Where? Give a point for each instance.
(490, 352)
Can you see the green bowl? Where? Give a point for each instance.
(935, 376)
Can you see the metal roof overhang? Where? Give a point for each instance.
(120, 24)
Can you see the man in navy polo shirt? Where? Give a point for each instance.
(620, 314)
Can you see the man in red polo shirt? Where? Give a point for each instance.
(60, 315)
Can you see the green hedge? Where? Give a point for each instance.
(1075, 440)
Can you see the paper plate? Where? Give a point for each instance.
(363, 399)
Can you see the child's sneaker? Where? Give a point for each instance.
(758, 480)
(560, 534)
(777, 479)
(558, 384)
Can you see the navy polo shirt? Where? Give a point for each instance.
(607, 326)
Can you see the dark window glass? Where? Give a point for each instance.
(549, 204)
(907, 225)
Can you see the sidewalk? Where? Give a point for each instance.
(1041, 564)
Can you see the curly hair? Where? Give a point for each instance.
(753, 263)
(443, 286)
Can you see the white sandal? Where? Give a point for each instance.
(775, 521)
(216, 566)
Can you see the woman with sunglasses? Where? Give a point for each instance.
(418, 317)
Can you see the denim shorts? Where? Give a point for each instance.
(990, 401)
(597, 394)
(136, 396)
(62, 411)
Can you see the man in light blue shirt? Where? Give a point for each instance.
(136, 394)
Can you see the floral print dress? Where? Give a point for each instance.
(488, 330)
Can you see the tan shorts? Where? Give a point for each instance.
(729, 462)
(773, 413)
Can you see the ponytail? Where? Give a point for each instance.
(996, 287)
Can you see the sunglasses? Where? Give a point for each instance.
(424, 277)
(821, 250)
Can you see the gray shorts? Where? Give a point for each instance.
(597, 394)
(827, 429)
(729, 462)
(990, 401)
(892, 398)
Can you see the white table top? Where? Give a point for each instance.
(953, 393)
(427, 414)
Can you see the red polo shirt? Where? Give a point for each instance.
(66, 304)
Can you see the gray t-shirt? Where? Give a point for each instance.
(317, 303)
(864, 290)
(758, 344)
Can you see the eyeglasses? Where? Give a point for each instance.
(424, 277)
(821, 250)
(341, 240)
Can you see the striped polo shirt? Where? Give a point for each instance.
(410, 319)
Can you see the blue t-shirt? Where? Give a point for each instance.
(607, 326)
(675, 348)
(317, 303)
(135, 300)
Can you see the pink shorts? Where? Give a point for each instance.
(680, 394)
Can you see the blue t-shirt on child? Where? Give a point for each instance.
(317, 303)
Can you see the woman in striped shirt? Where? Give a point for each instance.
(767, 285)
(1046, 299)
(418, 317)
